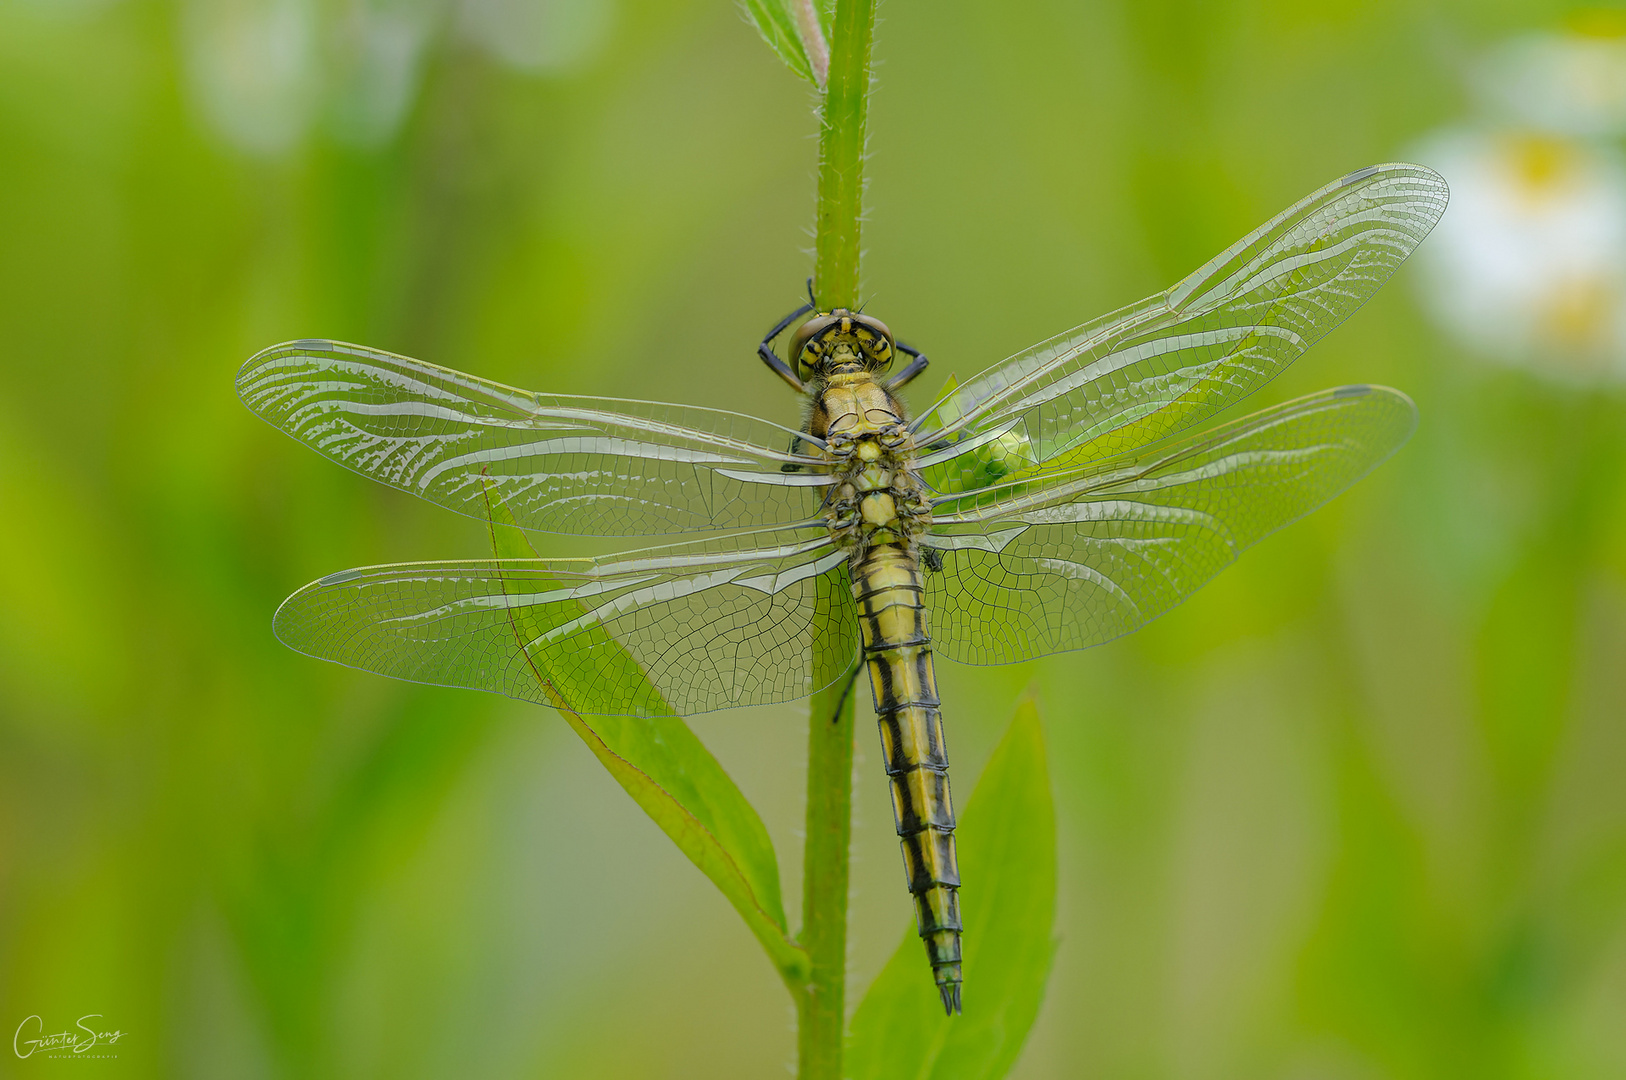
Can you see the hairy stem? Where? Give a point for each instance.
(821, 1006)
(841, 154)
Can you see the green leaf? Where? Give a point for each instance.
(798, 30)
(983, 467)
(675, 780)
(946, 410)
(1007, 842)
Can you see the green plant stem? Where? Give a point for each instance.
(821, 1006)
(841, 154)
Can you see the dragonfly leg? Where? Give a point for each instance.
(768, 356)
(795, 448)
(915, 368)
(841, 703)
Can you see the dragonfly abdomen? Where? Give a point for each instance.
(898, 653)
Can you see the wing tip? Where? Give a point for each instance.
(1358, 175)
(1406, 413)
(301, 347)
(1389, 168)
(1399, 170)
(1422, 188)
(1362, 390)
(298, 347)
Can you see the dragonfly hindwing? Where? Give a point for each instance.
(1083, 555)
(683, 629)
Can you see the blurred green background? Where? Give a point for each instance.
(1355, 811)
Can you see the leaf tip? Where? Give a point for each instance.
(1026, 721)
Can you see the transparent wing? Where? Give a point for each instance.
(586, 466)
(1157, 367)
(705, 626)
(1090, 554)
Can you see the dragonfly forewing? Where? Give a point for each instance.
(1154, 368)
(675, 630)
(584, 466)
(1079, 556)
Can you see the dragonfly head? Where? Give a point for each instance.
(842, 342)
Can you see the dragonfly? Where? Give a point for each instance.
(1058, 500)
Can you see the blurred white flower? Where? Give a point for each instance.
(541, 36)
(375, 58)
(267, 73)
(1564, 83)
(253, 66)
(1528, 266)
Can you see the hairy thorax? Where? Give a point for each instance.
(876, 499)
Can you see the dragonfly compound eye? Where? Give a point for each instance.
(851, 336)
(874, 341)
(807, 346)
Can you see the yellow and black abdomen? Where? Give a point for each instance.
(898, 653)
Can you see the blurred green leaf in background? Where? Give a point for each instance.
(1354, 811)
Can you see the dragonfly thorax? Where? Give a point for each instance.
(877, 499)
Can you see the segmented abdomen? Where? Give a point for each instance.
(898, 653)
